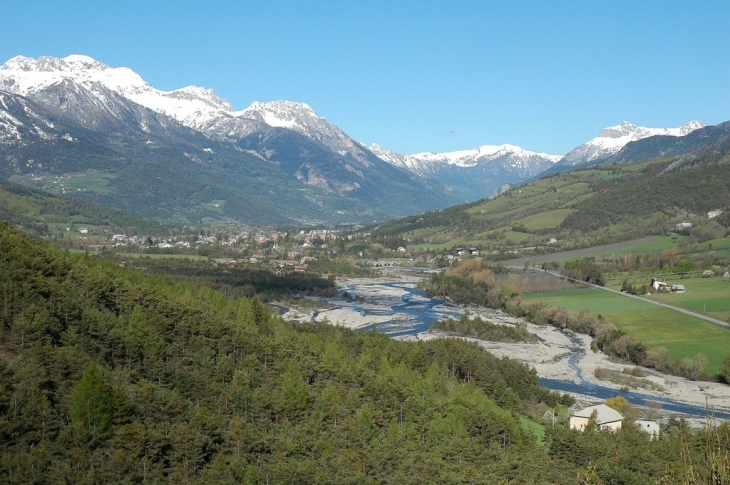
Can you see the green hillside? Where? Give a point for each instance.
(108, 376)
(42, 214)
(578, 209)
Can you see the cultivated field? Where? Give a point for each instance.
(682, 335)
(709, 296)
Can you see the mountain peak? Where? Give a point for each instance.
(691, 126)
(81, 60)
(623, 129)
(614, 138)
(283, 114)
(67, 64)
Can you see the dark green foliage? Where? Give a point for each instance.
(725, 370)
(238, 281)
(484, 330)
(586, 270)
(323, 265)
(91, 402)
(618, 200)
(460, 289)
(108, 376)
(193, 387)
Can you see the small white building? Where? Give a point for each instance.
(659, 285)
(713, 214)
(604, 417)
(682, 226)
(651, 427)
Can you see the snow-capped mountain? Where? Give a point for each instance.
(614, 138)
(192, 106)
(474, 173)
(290, 115)
(277, 150)
(195, 107)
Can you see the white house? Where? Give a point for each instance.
(683, 226)
(659, 285)
(604, 417)
(713, 214)
(651, 427)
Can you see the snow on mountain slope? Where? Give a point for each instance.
(614, 138)
(476, 173)
(19, 120)
(298, 117)
(427, 162)
(193, 106)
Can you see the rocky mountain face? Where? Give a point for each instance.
(267, 149)
(612, 139)
(476, 173)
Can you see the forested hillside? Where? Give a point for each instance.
(36, 211)
(109, 376)
(578, 209)
(694, 191)
(112, 376)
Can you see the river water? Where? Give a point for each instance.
(413, 312)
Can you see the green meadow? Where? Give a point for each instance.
(709, 296)
(682, 335)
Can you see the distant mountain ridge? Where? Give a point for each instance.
(660, 146)
(202, 110)
(612, 139)
(299, 165)
(478, 172)
(195, 107)
(284, 142)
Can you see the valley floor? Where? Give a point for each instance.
(550, 356)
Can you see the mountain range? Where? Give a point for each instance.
(473, 173)
(187, 156)
(272, 163)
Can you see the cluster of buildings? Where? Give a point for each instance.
(663, 287)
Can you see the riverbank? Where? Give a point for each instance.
(394, 306)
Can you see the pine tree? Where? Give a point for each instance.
(91, 403)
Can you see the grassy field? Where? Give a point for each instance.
(710, 296)
(682, 335)
(545, 220)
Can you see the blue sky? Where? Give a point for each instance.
(546, 76)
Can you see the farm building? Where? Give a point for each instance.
(651, 427)
(604, 417)
(659, 285)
